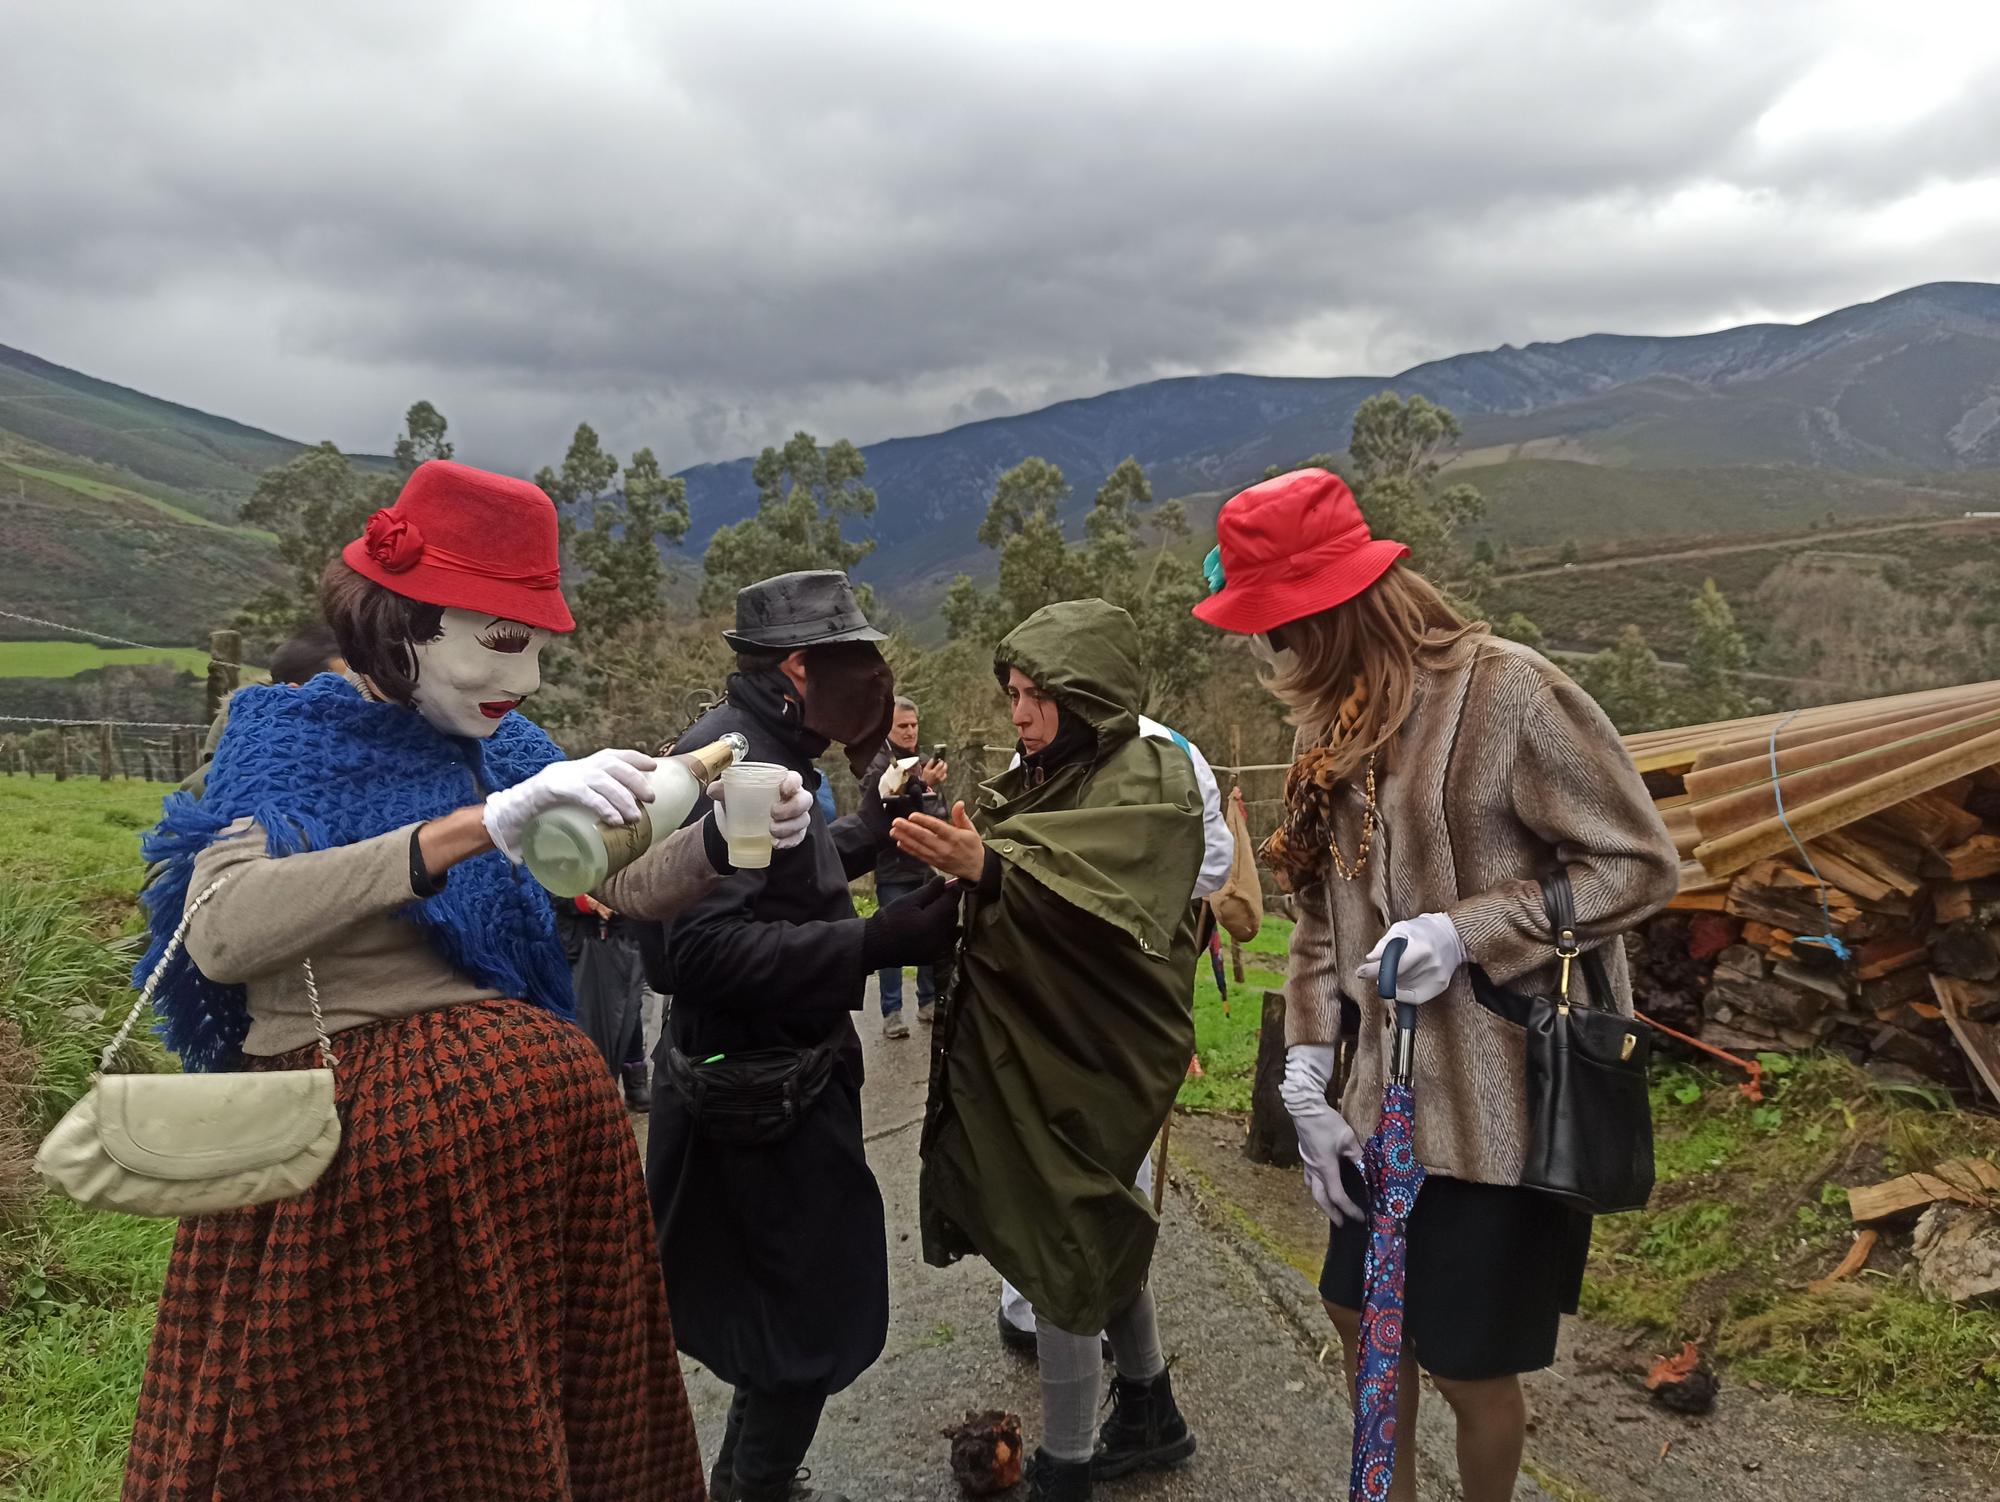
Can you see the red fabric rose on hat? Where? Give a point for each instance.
(393, 541)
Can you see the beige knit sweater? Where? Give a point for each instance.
(1504, 769)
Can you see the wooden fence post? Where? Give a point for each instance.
(1272, 1137)
(62, 754)
(104, 752)
(1236, 781)
(225, 668)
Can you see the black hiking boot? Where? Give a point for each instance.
(1052, 1480)
(798, 1489)
(1145, 1430)
(637, 1096)
(1014, 1338)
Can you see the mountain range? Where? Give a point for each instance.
(1872, 398)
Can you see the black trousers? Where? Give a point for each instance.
(766, 1439)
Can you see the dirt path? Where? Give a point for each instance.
(1239, 1311)
(1718, 550)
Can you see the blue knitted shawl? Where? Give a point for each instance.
(322, 766)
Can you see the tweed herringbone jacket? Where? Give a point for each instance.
(1504, 769)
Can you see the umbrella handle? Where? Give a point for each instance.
(1406, 1012)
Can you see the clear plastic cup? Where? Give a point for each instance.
(750, 788)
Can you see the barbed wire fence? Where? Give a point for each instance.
(108, 748)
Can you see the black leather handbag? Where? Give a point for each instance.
(1590, 1137)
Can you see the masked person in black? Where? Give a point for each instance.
(769, 1219)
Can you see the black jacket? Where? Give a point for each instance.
(775, 1256)
(892, 866)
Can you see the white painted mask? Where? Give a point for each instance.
(477, 669)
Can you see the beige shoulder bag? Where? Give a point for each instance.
(191, 1144)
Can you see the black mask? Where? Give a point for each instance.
(850, 697)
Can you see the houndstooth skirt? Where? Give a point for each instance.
(467, 1305)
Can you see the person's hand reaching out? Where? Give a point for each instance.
(954, 848)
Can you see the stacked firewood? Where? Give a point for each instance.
(1884, 944)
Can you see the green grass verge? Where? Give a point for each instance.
(1225, 1029)
(77, 1289)
(1752, 1206)
(77, 841)
(65, 659)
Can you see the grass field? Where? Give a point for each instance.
(77, 1289)
(1225, 1029)
(65, 659)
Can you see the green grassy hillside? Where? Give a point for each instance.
(1542, 503)
(87, 552)
(115, 425)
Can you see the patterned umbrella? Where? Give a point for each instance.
(1394, 1176)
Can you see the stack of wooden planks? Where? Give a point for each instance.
(1843, 864)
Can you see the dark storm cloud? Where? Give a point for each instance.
(702, 227)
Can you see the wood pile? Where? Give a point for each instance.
(1851, 900)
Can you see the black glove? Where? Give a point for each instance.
(915, 930)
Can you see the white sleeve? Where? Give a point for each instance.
(1218, 852)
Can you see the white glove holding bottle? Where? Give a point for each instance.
(791, 811)
(1433, 957)
(1325, 1138)
(608, 785)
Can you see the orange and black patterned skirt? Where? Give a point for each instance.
(468, 1303)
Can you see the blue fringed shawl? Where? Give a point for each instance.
(321, 766)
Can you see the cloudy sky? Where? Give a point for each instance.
(700, 226)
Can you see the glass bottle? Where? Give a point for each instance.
(570, 852)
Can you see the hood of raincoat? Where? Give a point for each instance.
(1086, 653)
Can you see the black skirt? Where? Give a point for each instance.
(1492, 1268)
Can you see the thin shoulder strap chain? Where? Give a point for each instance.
(145, 999)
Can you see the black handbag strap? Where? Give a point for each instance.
(1559, 902)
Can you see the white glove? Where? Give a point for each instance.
(607, 785)
(1325, 1138)
(791, 811)
(1433, 957)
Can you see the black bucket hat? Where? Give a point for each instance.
(812, 608)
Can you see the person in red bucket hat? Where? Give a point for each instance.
(1438, 771)
(467, 1301)
(1292, 547)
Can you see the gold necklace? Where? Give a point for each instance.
(1368, 817)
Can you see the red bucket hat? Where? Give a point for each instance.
(468, 540)
(1292, 547)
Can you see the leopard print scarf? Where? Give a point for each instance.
(1303, 846)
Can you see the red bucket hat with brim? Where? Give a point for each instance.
(1292, 547)
(468, 540)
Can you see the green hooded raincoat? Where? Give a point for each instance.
(1068, 1025)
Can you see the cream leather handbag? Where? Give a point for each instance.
(190, 1144)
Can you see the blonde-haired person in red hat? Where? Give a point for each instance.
(467, 1302)
(1439, 773)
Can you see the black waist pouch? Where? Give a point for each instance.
(755, 1097)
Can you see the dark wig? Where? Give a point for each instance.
(376, 628)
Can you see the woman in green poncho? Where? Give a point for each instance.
(1067, 1029)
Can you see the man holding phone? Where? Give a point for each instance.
(897, 874)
